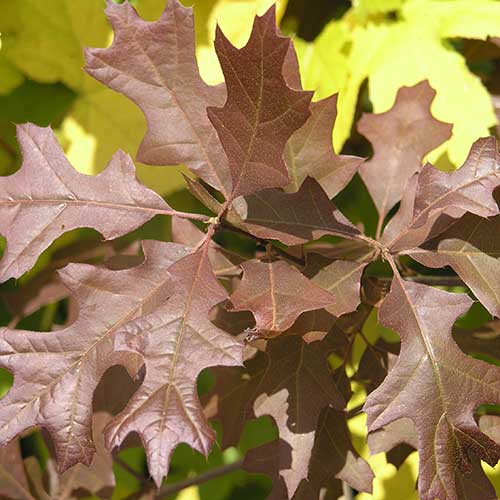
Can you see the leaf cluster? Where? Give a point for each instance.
(277, 325)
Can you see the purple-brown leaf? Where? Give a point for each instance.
(309, 152)
(13, 481)
(55, 374)
(177, 341)
(435, 385)
(400, 137)
(433, 194)
(48, 197)
(334, 458)
(342, 278)
(277, 294)
(469, 249)
(261, 112)
(154, 65)
(293, 218)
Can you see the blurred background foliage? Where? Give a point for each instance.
(363, 49)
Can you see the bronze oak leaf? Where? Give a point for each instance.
(154, 65)
(47, 197)
(309, 152)
(261, 111)
(293, 218)
(400, 137)
(435, 385)
(177, 341)
(277, 293)
(433, 197)
(56, 373)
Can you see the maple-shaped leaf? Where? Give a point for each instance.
(177, 341)
(469, 249)
(432, 194)
(261, 112)
(309, 152)
(293, 218)
(224, 263)
(154, 64)
(334, 459)
(47, 197)
(277, 293)
(400, 137)
(55, 373)
(435, 385)
(341, 278)
(13, 480)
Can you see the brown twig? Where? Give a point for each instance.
(124, 465)
(171, 489)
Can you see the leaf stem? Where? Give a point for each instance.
(429, 280)
(185, 215)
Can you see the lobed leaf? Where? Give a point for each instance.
(277, 294)
(437, 386)
(48, 197)
(261, 112)
(55, 374)
(432, 194)
(309, 152)
(177, 341)
(154, 64)
(468, 248)
(293, 218)
(400, 137)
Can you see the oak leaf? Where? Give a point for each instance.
(435, 385)
(154, 64)
(293, 218)
(177, 341)
(13, 480)
(277, 293)
(433, 196)
(309, 152)
(468, 248)
(261, 112)
(48, 197)
(400, 138)
(55, 388)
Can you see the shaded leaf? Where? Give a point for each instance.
(261, 112)
(47, 197)
(177, 341)
(98, 478)
(232, 397)
(341, 278)
(13, 481)
(468, 248)
(334, 458)
(55, 389)
(277, 294)
(484, 340)
(427, 385)
(293, 218)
